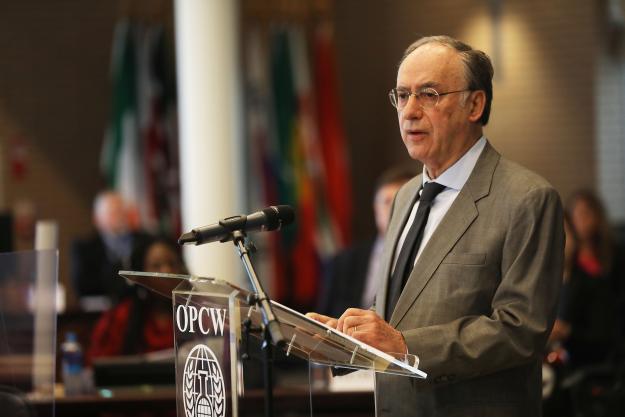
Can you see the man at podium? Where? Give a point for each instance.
(472, 262)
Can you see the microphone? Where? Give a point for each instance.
(267, 219)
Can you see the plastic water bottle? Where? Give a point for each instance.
(72, 365)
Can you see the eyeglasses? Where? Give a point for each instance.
(426, 97)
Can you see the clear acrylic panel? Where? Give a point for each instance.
(28, 282)
(306, 338)
(206, 371)
(324, 345)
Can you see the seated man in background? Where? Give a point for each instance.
(97, 259)
(352, 277)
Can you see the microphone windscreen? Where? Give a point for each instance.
(286, 214)
(278, 216)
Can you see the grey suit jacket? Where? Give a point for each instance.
(481, 300)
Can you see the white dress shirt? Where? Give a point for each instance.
(453, 179)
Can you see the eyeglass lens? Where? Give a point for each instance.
(426, 98)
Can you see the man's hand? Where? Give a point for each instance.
(368, 327)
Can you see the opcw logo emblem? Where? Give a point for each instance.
(203, 388)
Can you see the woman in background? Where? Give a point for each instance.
(595, 283)
(143, 321)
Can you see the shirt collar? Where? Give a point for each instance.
(457, 175)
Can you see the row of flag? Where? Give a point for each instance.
(140, 152)
(296, 149)
(297, 152)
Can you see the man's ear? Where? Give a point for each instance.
(476, 102)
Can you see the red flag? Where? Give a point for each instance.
(331, 133)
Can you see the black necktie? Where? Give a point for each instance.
(408, 253)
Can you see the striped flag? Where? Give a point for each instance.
(260, 168)
(297, 156)
(296, 172)
(331, 133)
(159, 136)
(139, 154)
(121, 160)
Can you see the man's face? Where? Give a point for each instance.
(440, 135)
(111, 215)
(382, 203)
(585, 220)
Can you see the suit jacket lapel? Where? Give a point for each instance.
(461, 214)
(402, 210)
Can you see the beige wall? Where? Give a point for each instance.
(54, 94)
(543, 115)
(53, 80)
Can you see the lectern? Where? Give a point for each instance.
(210, 318)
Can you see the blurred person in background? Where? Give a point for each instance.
(561, 327)
(352, 276)
(584, 345)
(590, 311)
(24, 224)
(556, 399)
(142, 322)
(97, 259)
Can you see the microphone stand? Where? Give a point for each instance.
(271, 326)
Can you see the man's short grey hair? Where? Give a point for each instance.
(478, 67)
